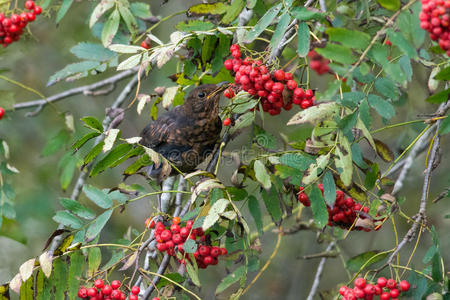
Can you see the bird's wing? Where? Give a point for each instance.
(160, 131)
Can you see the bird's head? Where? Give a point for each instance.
(205, 98)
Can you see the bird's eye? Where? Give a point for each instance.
(201, 94)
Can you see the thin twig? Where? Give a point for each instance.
(319, 272)
(161, 269)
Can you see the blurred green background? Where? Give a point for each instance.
(33, 60)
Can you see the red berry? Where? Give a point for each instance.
(228, 64)
(208, 260)
(342, 290)
(166, 235)
(223, 251)
(226, 122)
(378, 290)
(115, 284)
(92, 292)
(82, 293)
(391, 284)
(145, 45)
(29, 4)
(116, 294)
(135, 290)
(155, 298)
(177, 239)
(369, 289)
(279, 75)
(189, 224)
(107, 290)
(2, 112)
(359, 293)
(291, 84)
(394, 293)
(15, 19)
(309, 93)
(184, 232)
(6, 22)
(175, 228)
(236, 54)
(234, 47)
(99, 283)
(360, 282)
(37, 10)
(215, 251)
(278, 87)
(288, 76)
(404, 285)
(385, 296)
(133, 297)
(299, 93)
(303, 198)
(203, 250)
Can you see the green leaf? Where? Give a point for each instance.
(11, 229)
(387, 88)
(263, 138)
(350, 99)
(99, 10)
(130, 62)
(59, 278)
(140, 10)
(67, 219)
(349, 38)
(67, 166)
(92, 123)
(193, 272)
(56, 143)
(63, 9)
(439, 97)
(114, 155)
(313, 172)
(272, 202)
(278, 34)
(94, 260)
(97, 196)
(78, 144)
(129, 19)
(93, 153)
(402, 43)
(110, 28)
(318, 207)
(261, 174)
(390, 4)
(364, 113)
(233, 11)
(194, 25)
(190, 246)
(302, 13)
(383, 151)
(297, 161)
(355, 263)
(214, 213)
(217, 8)
(443, 74)
(208, 47)
(262, 24)
(75, 273)
(445, 126)
(371, 176)
(337, 53)
(343, 161)
(76, 208)
(26, 289)
(383, 107)
(97, 226)
(315, 114)
(91, 51)
(303, 39)
(72, 69)
(173, 276)
(329, 188)
(231, 278)
(255, 211)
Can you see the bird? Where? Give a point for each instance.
(187, 134)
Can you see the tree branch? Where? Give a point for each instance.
(319, 272)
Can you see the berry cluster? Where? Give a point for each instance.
(435, 18)
(318, 63)
(172, 239)
(276, 90)
(2, 112)
(11, 28)
(102, 291)
(343, 213)
(385, 288)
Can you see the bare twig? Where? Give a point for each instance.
(164, 199)
(319, 272)
(74, 91)
(324, 254)
(179, 196)
(161, 269)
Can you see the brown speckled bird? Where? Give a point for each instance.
(187, 134)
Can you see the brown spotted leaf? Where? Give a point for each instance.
(315, 169)
(383, 151)
(217, 8)
(343, 160)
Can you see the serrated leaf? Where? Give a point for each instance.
(46, 263)
(329, 189)
(383, 151)
(343, 161)
(99, 10)
(397, 39)
(386, 88)
(94, 260)
(231, 278)
(59, 279)
(92, 123)
(297, 161)
(75, 273)
(99, 197)
(97, 226)
(193, 273)
(67, 219)
(315, 113)
(337, 53)
(315, 169)
(318, 207)
(355, 263)
(283, 23)
(243, 121)
(439, 97)
(214, 213)
(204, 186)
(121, 48)
(63, 9)
(255, 211)
(349, 38)
(141, 10)
(217, 8)
(26, 289)
(383, 107)
(168, 96)
(76, 208)
(129, 19)
(262, 24)
(90, 51)
(272, 203)
(233, 11)
(110, 28)
(303, 39)
(110, 138)
(26, 269)
(72, 69)
(111, 158)
(130, 62)
(302, 13)
(443, 74)
(360, 125)
(390, 4)
(129, 262)
(194, 25)
(261, 174)
(78, 144)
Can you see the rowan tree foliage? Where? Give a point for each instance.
(312, 90)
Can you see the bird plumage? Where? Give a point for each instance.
(187, 134)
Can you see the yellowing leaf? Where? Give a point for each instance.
(383, 151)
(26, 269)
(343, 160)
(204, 186)
(168, 96)
(261, 174)
(45, 260)
(110, 138)
(214, 213)
(315, 113)
(312, 174)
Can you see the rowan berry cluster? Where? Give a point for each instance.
(172, 239)
(276, 89)
(344, 211)
(435, 18)
(386, 289)
(318, 63)
(11, 28)
(102, 291)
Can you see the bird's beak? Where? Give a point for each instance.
(220, 87)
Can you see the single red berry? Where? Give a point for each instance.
(92, 292)
(82, 293)
(208, 260)
(291, 84)
(2, 112)
(203, 250)
(299, 93)
(391, 284)
(177, 239)
(360, 282)
(236, 54)
(116, 294)
(166, 235)
(279, 75)
(115, 284)
(309, 93)
(175, 228)
(135, 290)
(15, 19)
(23, 17)
(359, 293)
(226, 122)
(394, 293)
(378, 290)
(278, 87)
(107, 290)
(189, 224)
(99, 283)
(288, 76)
(155, 298)
(145, 45)
(29, 4)
(215, 251)
(6, 22)
(234, 47)
(263, 69)
(342, 290)
(369, 289)
(37, 10)
(184, 232)
(149, 223)
(404, 285)
(223, 251)
(133, 297)
(385, 296)
(228, 64)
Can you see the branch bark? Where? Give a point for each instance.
(319, 272)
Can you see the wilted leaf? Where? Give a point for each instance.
(315, 113)
(204, 186)
(217, 8)
(46, 260)
(168, 96)
(26, 269)
(261, 174)
(383, 151)
(214, 213)
(343, 161)
(313, 172)
(99, 10)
